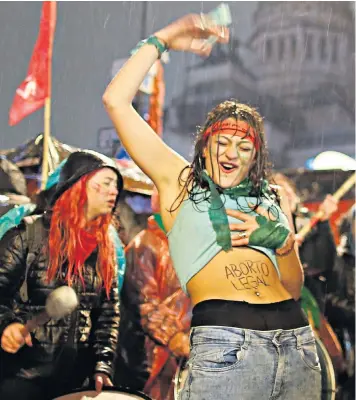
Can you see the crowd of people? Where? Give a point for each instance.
(215, 280)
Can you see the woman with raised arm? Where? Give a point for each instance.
(230, 240)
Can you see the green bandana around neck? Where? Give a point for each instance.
(157, 217)
(217, 212)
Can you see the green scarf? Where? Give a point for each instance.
(157, 217)
(217, 212)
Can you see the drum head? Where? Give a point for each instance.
(111, 393)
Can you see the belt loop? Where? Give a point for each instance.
(247, 339)
(191, 337)
(299, 340)
(275, 339)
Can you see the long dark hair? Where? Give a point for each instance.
(260, 169)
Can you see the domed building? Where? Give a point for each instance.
(306, 59)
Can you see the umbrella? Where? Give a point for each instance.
(331, 160)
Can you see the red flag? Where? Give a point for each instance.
(31, 94)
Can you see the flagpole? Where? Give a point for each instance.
(46, 139)
(35, 91)
(47, 114)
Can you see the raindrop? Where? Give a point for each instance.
(106, 20)
(331, 13)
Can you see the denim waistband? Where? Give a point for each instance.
(230, 335)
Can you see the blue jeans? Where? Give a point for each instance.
(232, 363)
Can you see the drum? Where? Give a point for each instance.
(328, 381)
(108, 393)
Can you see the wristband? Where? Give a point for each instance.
(153, 40)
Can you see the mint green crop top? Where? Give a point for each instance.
(192, 239)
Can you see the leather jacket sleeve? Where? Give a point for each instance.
(12, 271)
(106, 331)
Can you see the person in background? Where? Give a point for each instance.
(13, 190)
(340, 301)
(155, 312)
(317, 251)
(70, 244)
(43, 202)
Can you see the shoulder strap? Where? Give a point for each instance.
(34, 229)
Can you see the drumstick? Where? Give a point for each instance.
(343, 189)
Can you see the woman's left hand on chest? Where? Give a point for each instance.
(262, 230)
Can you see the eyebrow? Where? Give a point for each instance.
(110, 179)
(221, 136)
(243, 141)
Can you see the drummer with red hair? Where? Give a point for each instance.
(70, 244)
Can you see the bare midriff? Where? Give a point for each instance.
(241, 274)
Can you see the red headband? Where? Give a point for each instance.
(239, 128)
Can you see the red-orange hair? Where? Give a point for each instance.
(69, 232)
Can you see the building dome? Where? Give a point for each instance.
(302, 45)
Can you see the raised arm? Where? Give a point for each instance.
(145, 147)
(149, 152)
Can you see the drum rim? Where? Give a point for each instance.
(121, 389)
(331, 371)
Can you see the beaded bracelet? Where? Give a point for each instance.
(161, 48)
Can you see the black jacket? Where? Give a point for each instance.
(92, 329)
(318, 250)
(340, 305)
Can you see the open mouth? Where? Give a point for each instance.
(228, 168)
